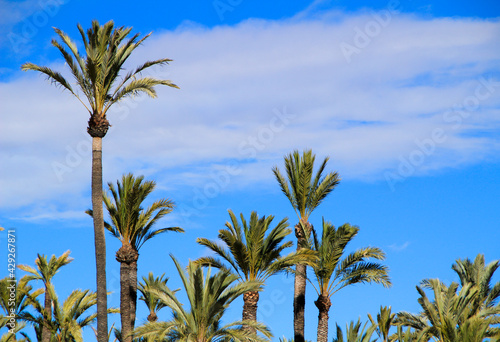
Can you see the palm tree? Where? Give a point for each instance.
(333, 272)
(133, 226)
(452, 316)
(153, 303)
(97, 76)
(21, 303)
(209, 296)
(252, 255)
(354, 333)
(479, 274)
(305, 193)
(45, 271)
(69, 319)
(385, 319)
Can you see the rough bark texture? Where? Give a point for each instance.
(133, 290)
(299, 298)
(323, 304)
(99, 240)
(250, 300)
(46, 333)
(127, 257)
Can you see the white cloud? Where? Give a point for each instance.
(412, 78)
(399, 247)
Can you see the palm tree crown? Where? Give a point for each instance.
(96, 73)
(334, 272)
(480, 275)
(250, 253)
(69, 317)
(304, 190)
(153, 303)
(131, 223)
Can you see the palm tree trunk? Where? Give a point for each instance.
(99, 240)
(127, 257)
(299, 302)
(125, 306)
(133, 292)
(323, 304)
(299, 297)
(48, 310)
(250, 300)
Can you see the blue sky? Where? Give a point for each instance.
(403, 96)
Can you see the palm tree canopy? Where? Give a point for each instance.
(69, 318)
(251, 253)
(355, 333)
(209, 296)
(454, 315)
(304, 190)
(479, 274)
(96, 72)
(385, 320)
(130, 222)
(334, 272)
(153, 303)
(22, 290)
(46, 270)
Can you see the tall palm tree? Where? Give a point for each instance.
(152, 301)
(133, 225)
(45, 271)
(334, 272)
(305, 192)
(385, 320)
(97, 77)
(209, 296)
(252, 255)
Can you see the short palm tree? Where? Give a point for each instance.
(69, 318)
(153, 303)
(305, 191)
(21, 303)
(98, 87)
(452, 316)
(45, 270)
(385, 320)
(356, 333)
(133, 225)
(253, 252)
(334, 272)
(209, 296)
(480, 275)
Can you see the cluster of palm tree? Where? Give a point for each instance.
(249, 252)
(468, 311)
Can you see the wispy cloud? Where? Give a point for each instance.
(367, 114)
(399, 247)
